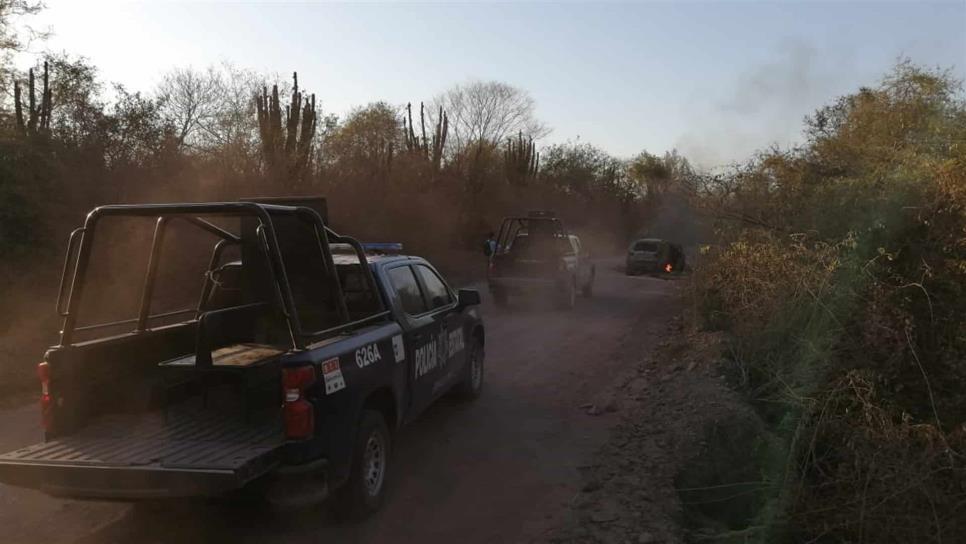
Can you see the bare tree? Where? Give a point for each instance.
(15, 36)
(489, 111)
(12, 38)
(235, 122)
(211, 112)
(191, 101)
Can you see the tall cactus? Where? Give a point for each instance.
(521, 160)
(413, 144)
(439, 138)
(430, 149)
(286, 150)
(38, 115)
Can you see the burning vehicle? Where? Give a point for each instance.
(653, 255)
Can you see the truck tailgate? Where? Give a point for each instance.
(148, 455)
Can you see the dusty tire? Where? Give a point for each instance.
(472, 385)
(362, 494)
(567, 299)
(500, 298)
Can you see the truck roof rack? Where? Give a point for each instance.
(259, 218)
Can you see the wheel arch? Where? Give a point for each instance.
(383, 400)
(479, 334)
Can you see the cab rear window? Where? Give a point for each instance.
(645, 246)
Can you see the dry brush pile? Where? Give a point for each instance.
(840, 274)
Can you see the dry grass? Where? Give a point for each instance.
(839, 277)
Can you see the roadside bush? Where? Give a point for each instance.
(839, 276)
(871, 472)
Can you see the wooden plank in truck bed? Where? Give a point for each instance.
(234, 356)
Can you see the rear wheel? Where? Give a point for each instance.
(363, 493)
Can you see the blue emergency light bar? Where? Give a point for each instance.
(382, 247)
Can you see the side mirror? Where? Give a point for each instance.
(468, 297)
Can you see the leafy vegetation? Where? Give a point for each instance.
(839, 275)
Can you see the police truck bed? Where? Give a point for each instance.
(184, 451)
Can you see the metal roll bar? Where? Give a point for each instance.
(83, 238)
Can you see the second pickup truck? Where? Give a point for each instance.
(536, 254)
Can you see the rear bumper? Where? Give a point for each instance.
(124, 483)
(519, 285)
(642, 265)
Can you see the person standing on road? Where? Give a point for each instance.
(489, 248)
(489, 245)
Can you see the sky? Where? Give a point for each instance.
(715, 80)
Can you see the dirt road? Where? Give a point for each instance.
(501, 469)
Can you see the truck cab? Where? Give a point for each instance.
(287, 367)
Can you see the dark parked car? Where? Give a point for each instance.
(654, 255)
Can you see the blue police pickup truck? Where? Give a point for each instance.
(283, 361)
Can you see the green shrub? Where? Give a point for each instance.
(839, 276)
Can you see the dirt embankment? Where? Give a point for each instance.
(679, 457)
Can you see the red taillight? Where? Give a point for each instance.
(298, 377)
(46, 411)
(299, 419)
(297, 413)
(46, 401)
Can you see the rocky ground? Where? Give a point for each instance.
(681, 432)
